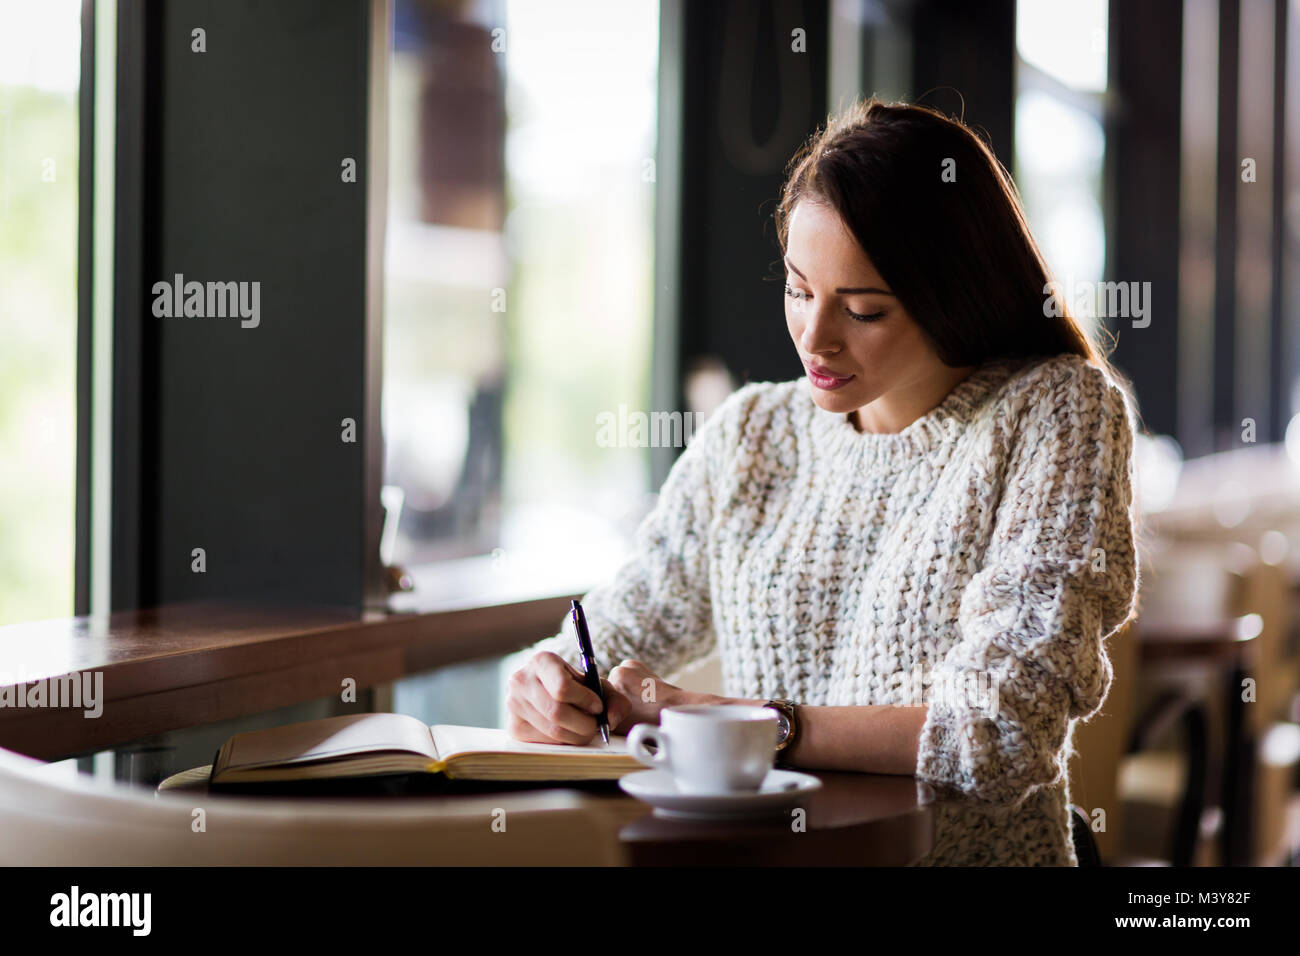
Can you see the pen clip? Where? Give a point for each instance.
(580, 626)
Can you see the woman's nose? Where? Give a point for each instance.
(818, 330)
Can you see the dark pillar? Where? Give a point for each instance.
(1143, 164)
(230, 436)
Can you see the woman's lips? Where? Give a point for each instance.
(825, 379)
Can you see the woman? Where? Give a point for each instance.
(926, 542)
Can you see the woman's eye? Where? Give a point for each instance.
(870, 317)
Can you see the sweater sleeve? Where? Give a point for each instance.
(657, 607)
(1059, 577)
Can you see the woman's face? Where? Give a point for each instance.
(855, 339)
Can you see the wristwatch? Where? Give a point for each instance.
(787, 724)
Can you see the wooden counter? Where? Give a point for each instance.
(174, 667)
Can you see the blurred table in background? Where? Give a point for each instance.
(1218, 621)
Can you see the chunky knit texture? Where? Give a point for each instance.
(974, 562)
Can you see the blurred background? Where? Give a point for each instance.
(576, 227)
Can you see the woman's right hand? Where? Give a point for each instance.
(550, 704)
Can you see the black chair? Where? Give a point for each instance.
(1085, 844)
(1171, 709)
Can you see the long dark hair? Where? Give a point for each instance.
(958, 254)
(955, 249)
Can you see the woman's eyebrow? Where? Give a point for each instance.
(843, 290)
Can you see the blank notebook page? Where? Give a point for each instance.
(453, 739)
(332, 737)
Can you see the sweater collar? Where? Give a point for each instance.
(947, 419)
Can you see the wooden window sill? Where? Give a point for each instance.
(176, 666)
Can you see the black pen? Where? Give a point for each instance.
(591, 675)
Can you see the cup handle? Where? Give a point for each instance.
(642, 734)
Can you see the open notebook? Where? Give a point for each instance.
(368, 745)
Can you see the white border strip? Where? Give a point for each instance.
(101, 313)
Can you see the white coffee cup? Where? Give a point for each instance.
(710, 748)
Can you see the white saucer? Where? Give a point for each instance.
(780, 790)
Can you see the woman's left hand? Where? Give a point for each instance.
(649, 694)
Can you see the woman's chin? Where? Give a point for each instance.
(837, 401)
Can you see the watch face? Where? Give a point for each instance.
(782, 726)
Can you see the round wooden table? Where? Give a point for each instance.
(853, 820)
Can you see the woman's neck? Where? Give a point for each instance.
(899, 407)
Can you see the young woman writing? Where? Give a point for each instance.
(919, 549)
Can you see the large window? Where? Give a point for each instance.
(40, 49)
(1060, 140)
(518, 303)
(519, 276)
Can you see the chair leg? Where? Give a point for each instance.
(1171, 708)
(1188, 829)
(1085, 844)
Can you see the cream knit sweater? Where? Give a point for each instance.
(974, 562)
